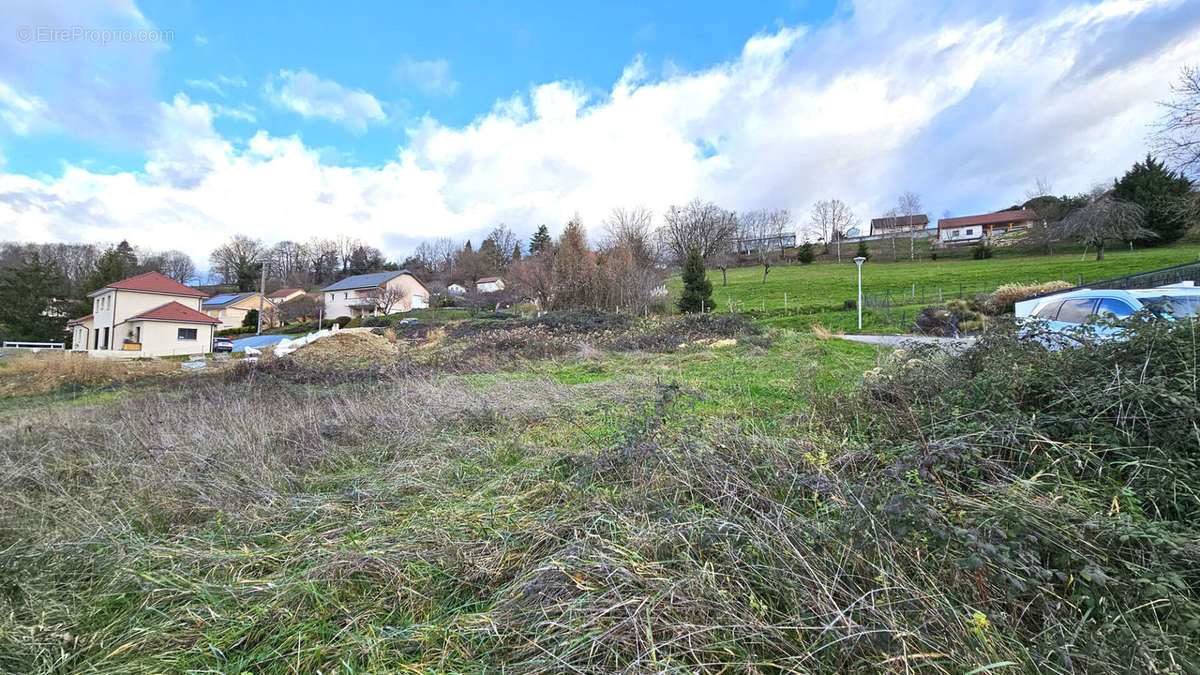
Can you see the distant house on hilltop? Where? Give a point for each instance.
(897, 224)
(456, 289)
(971, 228)
(284, 295)
(374, 294)
(231, 308)
(146, 315)
(489, 285)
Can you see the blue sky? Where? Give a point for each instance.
(395, 122)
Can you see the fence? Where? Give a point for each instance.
(1151, 279)
(35, 346)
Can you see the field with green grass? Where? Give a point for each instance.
(588, 492)
(799, 295)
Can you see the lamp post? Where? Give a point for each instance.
(859, 261)
(262, 289)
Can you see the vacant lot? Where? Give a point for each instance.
(597, 494)
(815, 293)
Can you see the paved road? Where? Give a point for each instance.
(903, 341)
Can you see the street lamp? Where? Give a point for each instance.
(859, 261)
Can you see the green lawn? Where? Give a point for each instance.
(799, 295)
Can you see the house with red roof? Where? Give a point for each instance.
(973, 228)
(146, 315)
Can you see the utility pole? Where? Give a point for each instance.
(262, 290)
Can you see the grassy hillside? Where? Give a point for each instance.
(591, 493)
(816, 292)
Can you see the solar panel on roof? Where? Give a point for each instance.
(220, 299)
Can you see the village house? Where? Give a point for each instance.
(231, 308)
(489, 285)
(897, 224)
(284, 295)
(146, 315)
(375, 294)
(973, 228)
(456, 289)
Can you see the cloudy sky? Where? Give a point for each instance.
(177, 124)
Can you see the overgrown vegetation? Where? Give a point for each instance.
(681, 501)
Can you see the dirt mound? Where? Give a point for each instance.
(344, 346)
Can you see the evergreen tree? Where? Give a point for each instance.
(113, 265)
(697, 289)
(32, 306)
(251, 319)
(806, 254)
(540, 240)
(516, 254)
(1155, 188)
(863, 251)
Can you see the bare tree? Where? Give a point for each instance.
(830, 220)
(307, 306)
(909, 206)
(765, 230)
(633, 229)
(238, 261)
(1178, 135)
(179, 266)
(704, 226)
(1041, 188)
(386, 296)
(1103, 218)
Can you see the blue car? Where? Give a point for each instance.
(1091, 315)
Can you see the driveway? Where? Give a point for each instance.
(953, 345)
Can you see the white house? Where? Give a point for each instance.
(972, 228)
(375, 294)
(489, 285)
(456, 289)
(146, 315)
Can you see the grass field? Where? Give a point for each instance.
(597, 493)
(815, 293)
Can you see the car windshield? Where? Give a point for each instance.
(1177, 306)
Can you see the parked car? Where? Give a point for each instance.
(1089, 314)
(222, 344)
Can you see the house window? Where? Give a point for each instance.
(346, 296)
(970, 231)
(187, 334)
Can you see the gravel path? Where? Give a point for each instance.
(903, 341)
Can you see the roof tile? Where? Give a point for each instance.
(173, 311)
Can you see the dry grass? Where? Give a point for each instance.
(1002, 300)
(822, 333)
(51, 370)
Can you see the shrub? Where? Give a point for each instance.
(354, 323)
(806, 254)
(981, 251)
(1003, 299)
(863, 251)
(241, 330)
(251, 319)
(376, 322)
(342, 321)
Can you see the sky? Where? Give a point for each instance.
(177, 124)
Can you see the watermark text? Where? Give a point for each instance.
(102, 36)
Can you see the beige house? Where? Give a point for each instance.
(374, 295)
(284, 295)
(231, 308)
(489, 285)
(146, 315)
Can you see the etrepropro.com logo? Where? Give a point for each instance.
(101, 36)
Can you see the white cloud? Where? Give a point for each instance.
(310, 96)
(964, 111)
(431, 78)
